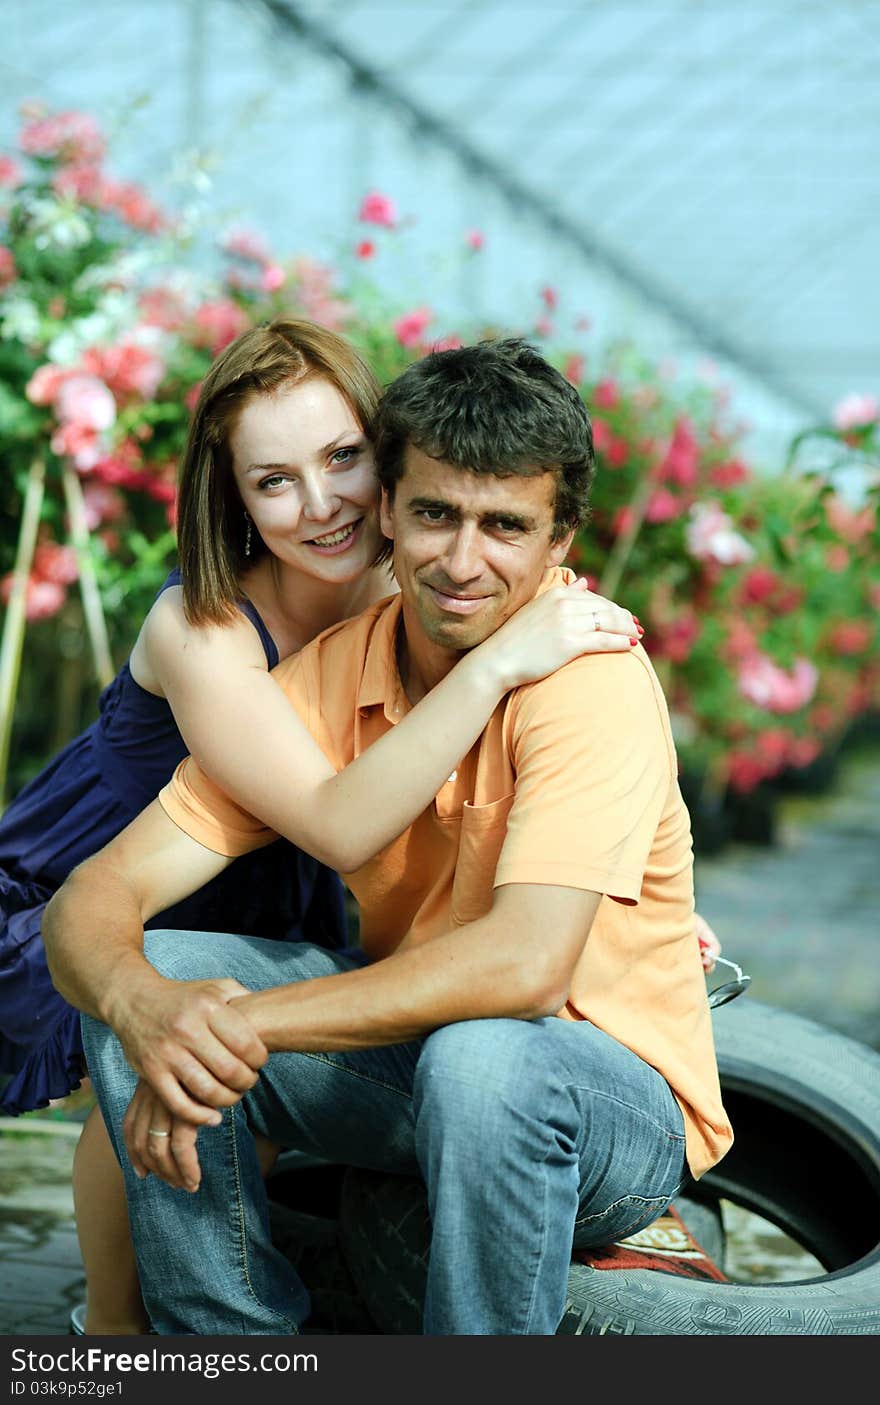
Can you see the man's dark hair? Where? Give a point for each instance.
(496, 407)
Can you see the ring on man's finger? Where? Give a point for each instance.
(154, 1132)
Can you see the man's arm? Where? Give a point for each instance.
(183, 1037)
(516, 962)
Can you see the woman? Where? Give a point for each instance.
(278, 539)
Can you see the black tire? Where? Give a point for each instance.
(805, 1105)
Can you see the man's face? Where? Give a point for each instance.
(469, 549)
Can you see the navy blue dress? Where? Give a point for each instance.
(82, 799)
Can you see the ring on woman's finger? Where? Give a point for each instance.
(154, 1132)
(595, 620)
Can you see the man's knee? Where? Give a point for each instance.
(482, 1065)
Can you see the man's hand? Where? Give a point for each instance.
(197, 1052)
(160, 1144)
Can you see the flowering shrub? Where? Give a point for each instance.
(756, 591)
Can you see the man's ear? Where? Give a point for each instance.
(559, 549)
(386, 520)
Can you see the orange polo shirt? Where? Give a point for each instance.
(572, 783)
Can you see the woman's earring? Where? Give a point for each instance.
(248, 529)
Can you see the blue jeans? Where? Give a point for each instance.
(531, 1136)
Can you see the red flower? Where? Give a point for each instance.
(727, 475)
(606, 394)
(602, 436)
(618, 453)
(851, 637)
(365, 249)
(10, 172)
(573, 370)
(744, 772)
(410, 328)
(681, 463)
(758, 585)
(549, 297)
(663, 506)
(475, 239)
(378, 209)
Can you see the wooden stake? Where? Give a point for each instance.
(96, 624)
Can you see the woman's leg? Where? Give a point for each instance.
(113, 1296)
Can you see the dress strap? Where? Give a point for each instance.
(268, 643)
(247, 609)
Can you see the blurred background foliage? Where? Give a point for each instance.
(757, 584)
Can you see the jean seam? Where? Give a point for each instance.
(243, 1258)
(356, 1073)
(630, 1107)
(645, 1201)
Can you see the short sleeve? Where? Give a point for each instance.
(205, 812)
(593, 775)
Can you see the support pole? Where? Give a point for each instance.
(96, 624)
(14, 623)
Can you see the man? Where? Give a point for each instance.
(527, 1024)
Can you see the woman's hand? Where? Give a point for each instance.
(556, 627)
(710, 946)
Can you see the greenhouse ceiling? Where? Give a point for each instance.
(716, 162)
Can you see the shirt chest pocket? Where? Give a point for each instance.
(483, 828)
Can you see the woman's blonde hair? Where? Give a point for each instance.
(211, 521)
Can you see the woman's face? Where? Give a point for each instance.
(304, 468)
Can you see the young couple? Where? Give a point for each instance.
(476, 1001)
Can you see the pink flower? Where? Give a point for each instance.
(53, 562)
(315, 290)
(837, 557)
(163, 307)
(449, 343)
(378, 209)
(550, 298)
(681, 461)
(272, 278)
(602, 436)
(81, 181)
(544, 327)
(711, 536)
(102, 504)
(133, 207)
(475, 239)
(618, 453)
(622, 521)
(583, 323)
(850, 524)
(245, 244)
(851, 637)
(8, 272)
(803, 750)
(676, 640)
(11, 173)
(42, 599)
(129, 369)
(365, 249)
(759, 585)
(409, 329)
(45, 383)
(768, 686)
(85, 400)
(70, 136)
(574, 368)
(218, 323)
(854, 411)
(78, 442)
(727, 475)
(663, 506)
(744, 771)
(606, 394)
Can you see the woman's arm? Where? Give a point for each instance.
(244, 733)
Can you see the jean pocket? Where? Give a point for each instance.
(623, 1217)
